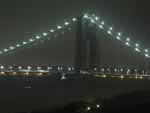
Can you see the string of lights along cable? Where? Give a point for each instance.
(109, 30)
(37, 38)
(93, 19)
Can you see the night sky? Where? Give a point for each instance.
(22, 19)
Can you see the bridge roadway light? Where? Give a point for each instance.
(1, 52)
(10, 67)
(1, 67)
(20, 67)
(29, 67)
(38, 68)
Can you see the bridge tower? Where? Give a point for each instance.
(87, 56)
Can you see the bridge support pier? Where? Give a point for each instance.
(87, 57)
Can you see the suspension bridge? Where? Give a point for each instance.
(99, 51)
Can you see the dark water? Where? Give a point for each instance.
(27, 94)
